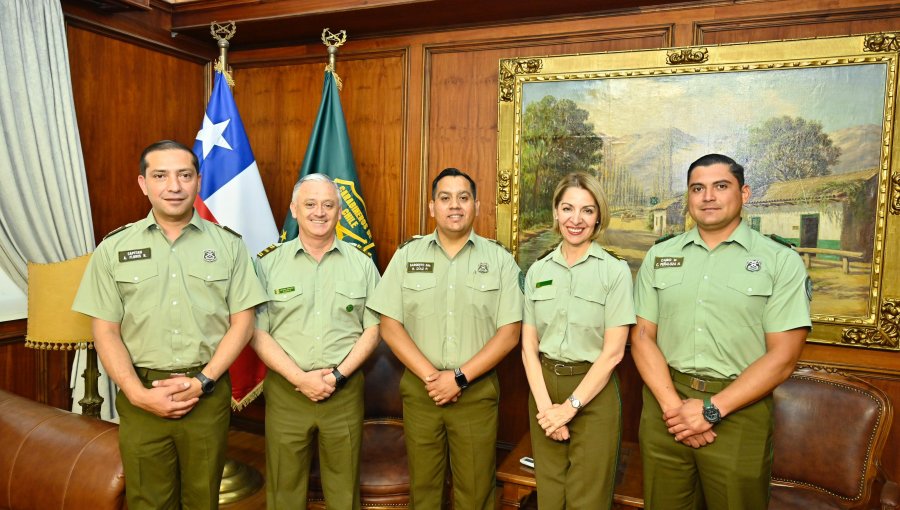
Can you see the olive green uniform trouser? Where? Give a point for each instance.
(466, 428)
(174, 463)
(578, 474)
(732, 473)
(295, 425)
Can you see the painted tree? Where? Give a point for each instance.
(557, 139)
(787, 148)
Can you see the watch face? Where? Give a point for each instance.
(575, 402)
(711, 414)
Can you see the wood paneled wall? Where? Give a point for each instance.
(414, 104)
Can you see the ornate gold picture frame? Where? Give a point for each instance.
(811, 120)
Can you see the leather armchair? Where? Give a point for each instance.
(52, 459)
(384, 472)
(830, 431)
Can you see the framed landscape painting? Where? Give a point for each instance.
(812, 121)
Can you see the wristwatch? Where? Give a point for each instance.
(711, 412)
(461, 380)
(575, 402)
(339, 378)
(207, 385)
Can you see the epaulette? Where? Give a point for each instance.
(116, 231)
(780, 240)
(614, 254)
(411, 239)
(663, 238)
(498, 243)
(225, 227)
(548, 252)
(269, 249)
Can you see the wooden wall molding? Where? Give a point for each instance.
(708, 28)
(11, 330)
(289, 56)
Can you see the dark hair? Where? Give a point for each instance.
(711, 159)
(452, 172)
(167, 145)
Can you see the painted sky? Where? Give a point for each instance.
(712, 106)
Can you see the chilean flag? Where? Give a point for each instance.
(232, 194)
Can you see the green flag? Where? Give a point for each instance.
(329, 153)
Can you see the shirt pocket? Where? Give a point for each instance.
(749, 293)
(588, 304)
(483, 291)
(207, 287)
(419, 294)
(671, 292)
(350, 301)
(139, 286)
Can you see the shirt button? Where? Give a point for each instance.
(135, 278)
(174, 303)
(318, 338)
(317, 313)
(563, 312)
(699, 300)
(173, 250)
(175, 331)
(482, 286)
(749, 289)
(451, 286)
(209, 277)
(662, 284)
(450, 312)
(705, 277)
(699, 329)
(417, 285)
(173, 275)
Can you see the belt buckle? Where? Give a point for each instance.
(559, 366)
(698, 384)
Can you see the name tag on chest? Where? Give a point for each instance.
(419, 267)
(129, 255)
(663, 262)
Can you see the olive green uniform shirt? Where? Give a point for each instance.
(450, 307)
(713, 307)
(572, 307)
(173, 300)
(316, 310)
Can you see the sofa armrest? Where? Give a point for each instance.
(890, 496)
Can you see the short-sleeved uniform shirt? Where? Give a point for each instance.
(173, 300)
(572, 307)
(316, 310)
(713, 307)
(450, 307)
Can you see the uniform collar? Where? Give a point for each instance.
(594, 250)
(335, 245)
(150, 221)
(433, 238)
(742, 235)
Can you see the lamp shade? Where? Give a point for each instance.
(51, 322)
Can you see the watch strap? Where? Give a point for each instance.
(207, 385)
(461, 379)
(339, 378)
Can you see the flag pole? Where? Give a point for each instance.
(332, 42)
(239, 480)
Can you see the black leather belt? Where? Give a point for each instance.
(707, 385)
(151, 374)
(565, 367)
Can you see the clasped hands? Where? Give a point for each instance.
(687, 425)
(171, 398)
(442, 388)
(554, 420)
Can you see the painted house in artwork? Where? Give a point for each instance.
(834, 212)
(668, 216)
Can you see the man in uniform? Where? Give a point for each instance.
(314, 334)
(451, 309)
(172, 298)
(723, 313)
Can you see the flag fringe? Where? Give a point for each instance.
(237, 405)
(220, 68)
(329, 68)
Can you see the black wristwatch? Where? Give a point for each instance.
(207, 385)
(461, 380)
(711, 412)
(339, 378)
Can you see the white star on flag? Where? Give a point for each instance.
(211, 134)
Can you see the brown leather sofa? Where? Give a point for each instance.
(52, 459)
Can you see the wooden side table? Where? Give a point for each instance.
(518, 480)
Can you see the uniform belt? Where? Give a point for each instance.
(707, 385)
(565, 367)
(151, 374)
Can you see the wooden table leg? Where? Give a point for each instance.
(513, 495)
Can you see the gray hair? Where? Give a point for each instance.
(318, 178)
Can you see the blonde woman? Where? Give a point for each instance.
(578, 310)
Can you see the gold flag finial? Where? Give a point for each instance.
(333, 42)
(222, 32)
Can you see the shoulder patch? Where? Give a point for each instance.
(614, 254)
(498, 243)
(225, 227)
(269, 249)
(661, 239)
(780, 240)
(411, 239)
(116, 231)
